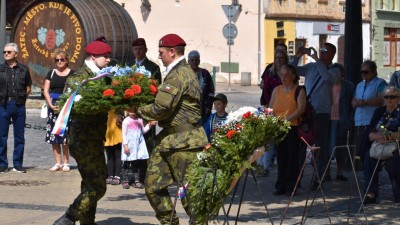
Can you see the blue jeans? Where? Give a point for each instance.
(268, 158)
(16, 113)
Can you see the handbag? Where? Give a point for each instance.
(44, 111)
(383, 151)
(45, 108)
(308, 128)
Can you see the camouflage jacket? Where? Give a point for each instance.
(177, 104)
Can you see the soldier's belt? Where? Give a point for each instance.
(181, 128)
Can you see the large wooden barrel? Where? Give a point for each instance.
(44, 25)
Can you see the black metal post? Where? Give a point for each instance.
(353, 52)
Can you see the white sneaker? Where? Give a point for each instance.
(66, 168)
(56, 167)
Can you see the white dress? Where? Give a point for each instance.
(132, 135)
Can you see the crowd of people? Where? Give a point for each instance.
(345, 115)
(183, 109)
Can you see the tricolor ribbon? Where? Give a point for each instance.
(100, 76)
(62, 119)
(182, 191)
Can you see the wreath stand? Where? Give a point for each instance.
(242, 194)
(352, 158)
(315, 172)
(213, 172)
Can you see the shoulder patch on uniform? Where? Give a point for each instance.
(167, 88)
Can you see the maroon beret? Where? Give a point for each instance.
(102, 39)
(138, 42)
(98, 48)
(171, 40)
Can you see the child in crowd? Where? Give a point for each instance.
(134, 150)
(112, 146)
(218, 118)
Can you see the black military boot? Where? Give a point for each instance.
(64, 220)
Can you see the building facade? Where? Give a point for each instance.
(200, 24)
(385, 36)
(315, 22)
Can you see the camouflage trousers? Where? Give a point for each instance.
(86, 146)
(164, 169)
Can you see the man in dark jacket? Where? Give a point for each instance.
(15, 87)
(139, 51)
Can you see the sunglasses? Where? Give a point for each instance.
(59, 60)
(364, 72)
(8, 52)
(323, 50)
(390, 96)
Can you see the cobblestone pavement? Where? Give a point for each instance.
(40, 197)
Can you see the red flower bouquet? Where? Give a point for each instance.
(128, 87)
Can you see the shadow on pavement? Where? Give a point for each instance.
(119, 220)
(125, 197)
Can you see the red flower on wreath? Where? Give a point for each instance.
(136, 88)
(108, 93)
(152, 81)
(247, 115)
(231, 133)
(115, 83)
(129, 93)
(131, 80)
(153, 89)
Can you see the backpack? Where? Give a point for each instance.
(308, 129)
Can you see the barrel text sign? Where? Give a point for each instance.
(47, 38)
(45, 25)
(43, 28)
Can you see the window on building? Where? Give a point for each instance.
(391, 47)
(279, 41)
(390, 4)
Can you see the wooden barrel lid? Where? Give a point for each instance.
(45, 25)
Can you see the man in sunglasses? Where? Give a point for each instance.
(15, 87)
(319, 78)
(86, 136)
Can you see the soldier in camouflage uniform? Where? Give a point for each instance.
(86, 137)
(177, 110)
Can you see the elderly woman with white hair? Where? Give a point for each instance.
(384, 127)
(206, 86)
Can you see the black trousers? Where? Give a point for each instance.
(136, 166)
(288, 161)
(114, 162)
